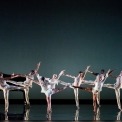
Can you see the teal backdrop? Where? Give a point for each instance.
(61, 35)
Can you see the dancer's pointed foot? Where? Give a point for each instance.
(49, 110)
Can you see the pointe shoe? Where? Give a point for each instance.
(50, 110)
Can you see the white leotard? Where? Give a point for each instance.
(99, 83)
(76, 81)
(29, 80)
(52, 82)
(118, 83)
(3, 84)
(46, 86)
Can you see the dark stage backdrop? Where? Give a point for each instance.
(62, 35)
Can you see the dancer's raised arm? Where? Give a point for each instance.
(40, 80)
(93, 73)
(60, 74)
(87, 69)
(70, 76)
(107, 74)
(84, 74)
(37, 68)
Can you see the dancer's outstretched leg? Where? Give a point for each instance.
(84, 88)
(12, 87)
(109, 86)
(59, 89)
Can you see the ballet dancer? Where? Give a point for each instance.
(29, 78)
(5, 87)
(78, 80)
(117, 86)
(98, 84)
(48, 87)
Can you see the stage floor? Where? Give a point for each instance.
(60, 112)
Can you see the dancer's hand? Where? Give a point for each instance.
(89, 71)
(38, 65)
(62, 72)
(37, 68)
(108, 73)
(87, 68)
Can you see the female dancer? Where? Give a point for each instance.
(48, 87)
(117, 86)
(78, 80)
